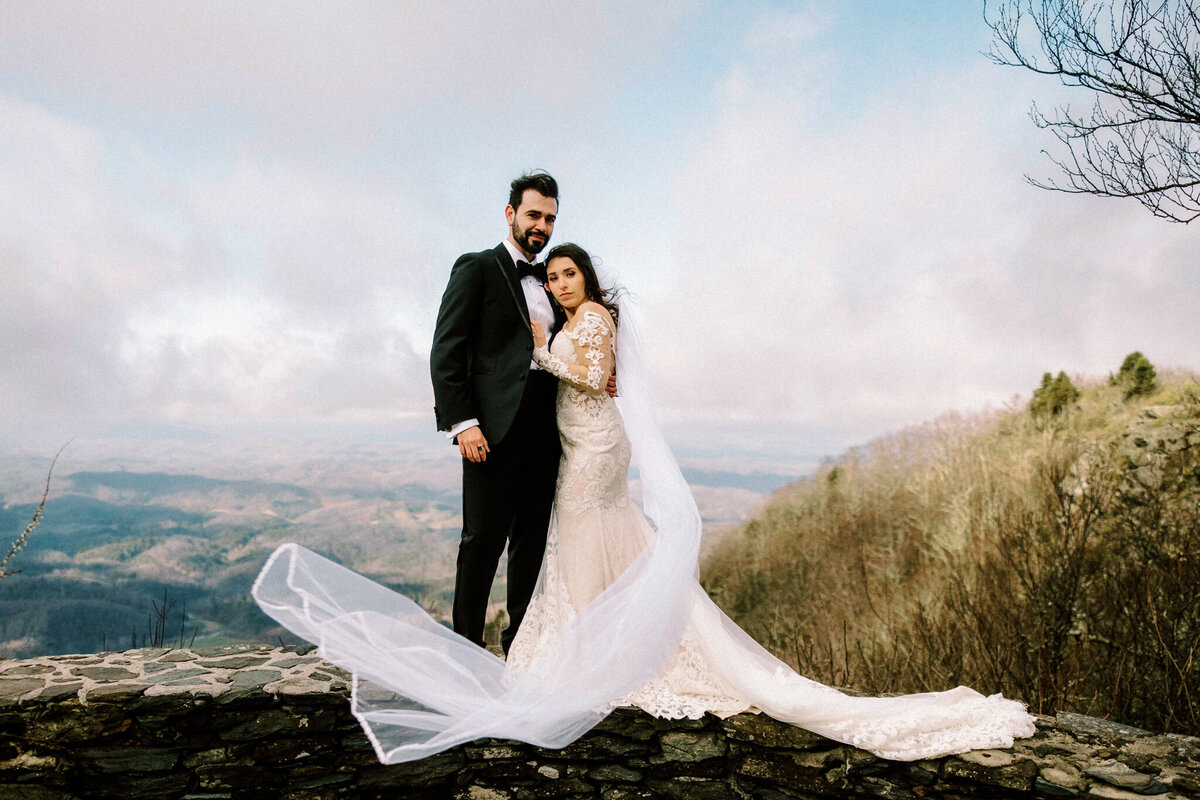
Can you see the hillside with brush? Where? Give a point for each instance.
(1049, 551)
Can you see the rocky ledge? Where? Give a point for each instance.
(260, 722)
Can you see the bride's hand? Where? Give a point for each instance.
(539, 333)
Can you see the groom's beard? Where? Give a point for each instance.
(522, 239)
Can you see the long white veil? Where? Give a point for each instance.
(419, 688)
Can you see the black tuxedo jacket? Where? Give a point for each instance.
(482, 344)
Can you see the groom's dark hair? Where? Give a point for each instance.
(538, 180)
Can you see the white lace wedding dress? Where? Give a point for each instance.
(618, 618)
(596, 533)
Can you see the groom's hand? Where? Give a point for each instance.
(612, 386)
(472, 445)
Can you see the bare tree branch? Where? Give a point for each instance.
(33, 523)
(1141, 61)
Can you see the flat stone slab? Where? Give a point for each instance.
(208, 672)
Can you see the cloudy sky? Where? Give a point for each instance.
(229, 212)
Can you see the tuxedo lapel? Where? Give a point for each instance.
(560, 318)
(512, 280)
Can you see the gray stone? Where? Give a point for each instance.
(197, 685)
(113, 693)
(14, 689)
(288, 663)
(595, 747)
(495, 750)
(298, 649)
(641, 793)
(255, 677)
(1117, 774)
(679, 789)
(481, 793)
(153, 786)
(509, 772)
(1093, 726)
(1066, 777)
(107, 760)
(235, 662)
(319, 781)
(616, 773)
(271, 722)
(761, 729)
(1189, 786)
(567, 787)
(175, 677)
(1018, 775)
(26, 791)
(60, 691)
(104, 673)
(242, 774)
(628, 723)
(216, 755)
(23, 670)
(1113, 793)
(1045, 788)
(433, 770)
(878, 787)
(988, 758)
(685, 746)
(1141, 762)
(780, 768)
(156, 667)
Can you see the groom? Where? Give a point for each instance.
(498, 406)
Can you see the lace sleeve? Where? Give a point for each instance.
(593, 340)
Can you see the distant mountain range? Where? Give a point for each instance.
(111, 543)
(114, 542)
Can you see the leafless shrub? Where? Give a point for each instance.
(23, 539)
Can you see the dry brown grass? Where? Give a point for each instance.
(1036, 557)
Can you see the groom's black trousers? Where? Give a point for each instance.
(507, 499)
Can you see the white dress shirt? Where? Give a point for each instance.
(535, 295)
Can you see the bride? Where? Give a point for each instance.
(618, 617)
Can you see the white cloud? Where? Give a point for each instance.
(319, 309)
(777, 30)
(195, 222)
(251, 211)
(881, 271)
(335, 68)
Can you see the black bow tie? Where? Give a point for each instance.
(536, 270)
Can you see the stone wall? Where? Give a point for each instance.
(262, 723)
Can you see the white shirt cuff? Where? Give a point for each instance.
(462, 426)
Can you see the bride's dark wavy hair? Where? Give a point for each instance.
(591, 284)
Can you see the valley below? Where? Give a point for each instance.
(158, 543)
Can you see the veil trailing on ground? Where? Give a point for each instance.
(419, 688)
